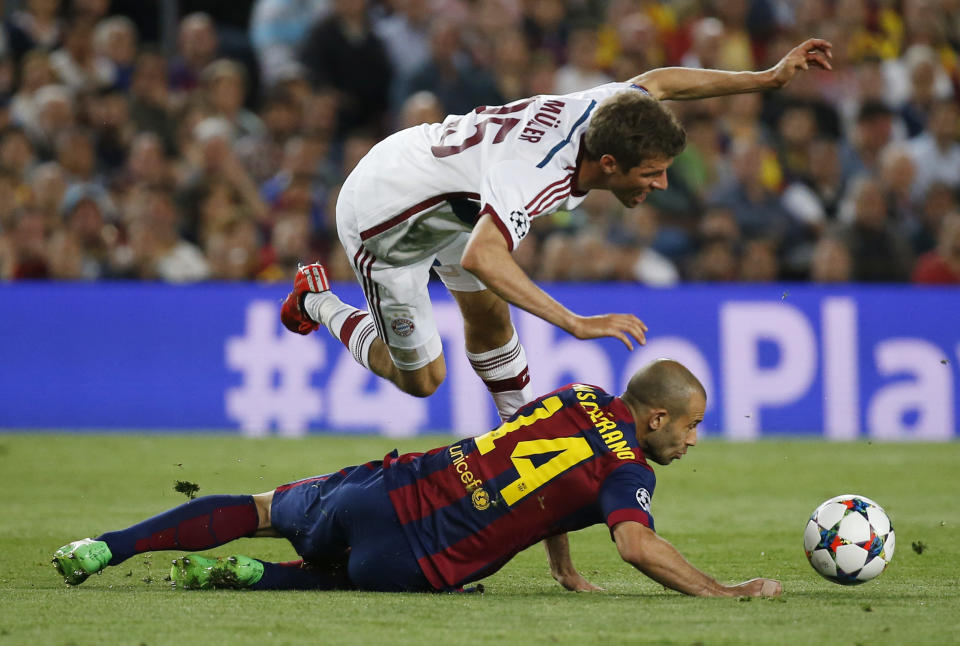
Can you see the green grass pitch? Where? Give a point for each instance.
(735, 510)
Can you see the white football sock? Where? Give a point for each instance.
(504, 371)
(353, 327)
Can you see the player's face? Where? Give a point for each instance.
(671, 441)
(633, 186)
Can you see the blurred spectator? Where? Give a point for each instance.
(75, 155)
(232, 250)
(147, 163)
(897, 171)
(706, 44)
(923, 81)
(47, 187)
(759, 262)
(36, 25)
(939, 201)
(716, 261)
(406, 37)
(635, 48)
(115, 40)
(197, 46)
(635, 259)
(581, 71)
(156, 250)
(873, 131)
(831, 261)
(796, 128)
(113, 130)
(878, 250)
(736, 50)
(83, 209)
(942, 265)
(756, 206)
(225, 84)
(35, 73)
(936, 153)
(450, 75)
(78, 64)
(28, 246)
(217, 165)
(511, 66)
(17, 153)
(421, 107)
(262, 153)
(277, 29)
(546, 26)
(814, 198)
(55, 113)
(297, 187)
(343, 53)
(289, 245)
(150, 107)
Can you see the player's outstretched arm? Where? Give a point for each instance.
(682, 83)
(561, 566)
(488, 258)
(659, 560)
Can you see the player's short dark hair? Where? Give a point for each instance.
(633, 127)
(664, 383)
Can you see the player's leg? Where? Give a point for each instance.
(493, 346)
(395, 337)
(200, 524)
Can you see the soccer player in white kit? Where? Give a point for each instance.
(458, 196)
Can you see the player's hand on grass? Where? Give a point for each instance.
(813, 52)
(576, 583)
(626, 327)
(757, 588)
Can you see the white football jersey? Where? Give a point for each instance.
(420, 187)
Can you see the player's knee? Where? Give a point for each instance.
(263, 501)
(425, 381)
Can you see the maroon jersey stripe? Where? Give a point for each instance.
(414, 210)
(545, 190)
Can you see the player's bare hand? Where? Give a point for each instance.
(814, 52)
(757, 588)
(626, 327)
(576, 583)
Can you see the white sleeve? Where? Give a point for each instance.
(514, 192)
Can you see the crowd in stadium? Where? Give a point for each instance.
(223, 160)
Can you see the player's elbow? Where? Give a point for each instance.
(474, 260)
(629, 538)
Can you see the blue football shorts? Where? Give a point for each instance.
(325, 515)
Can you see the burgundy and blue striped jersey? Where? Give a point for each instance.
(563, 462)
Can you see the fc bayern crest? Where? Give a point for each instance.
(403, 327)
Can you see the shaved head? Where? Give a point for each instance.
(663, 383)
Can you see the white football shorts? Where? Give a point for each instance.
(397, 296)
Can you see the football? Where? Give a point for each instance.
(849, 539)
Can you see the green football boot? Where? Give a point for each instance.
(78, 560)
(196, 572)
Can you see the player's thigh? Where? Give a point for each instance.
(399, 303)
(380, 554)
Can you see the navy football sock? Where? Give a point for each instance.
(197, 525)
(294, 576)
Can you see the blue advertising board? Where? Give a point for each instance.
(841, 362)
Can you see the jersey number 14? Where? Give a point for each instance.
(554, 455)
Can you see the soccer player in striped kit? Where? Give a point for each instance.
(438, 520)
(458, 196)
